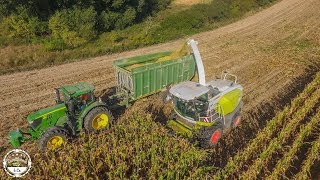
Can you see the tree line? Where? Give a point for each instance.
(69, 23)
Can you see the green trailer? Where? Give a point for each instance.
(141, 76)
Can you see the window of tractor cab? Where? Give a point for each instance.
(86, 98)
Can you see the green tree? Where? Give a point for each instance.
(126, 19)
(21, 25)
(107, 20)
(74, 26)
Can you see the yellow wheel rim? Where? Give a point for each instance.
(55, 142)
(100, 121)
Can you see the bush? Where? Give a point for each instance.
(218, 10)
(264, 2)
(54, 44)
(161, 4)
(107, 20)
(126, 19)
(183, 23)
(74, 26)
(22, 26)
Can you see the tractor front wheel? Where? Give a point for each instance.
(97, 119)
(210, 136)
(53, 138)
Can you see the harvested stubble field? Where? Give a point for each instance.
(275, 53)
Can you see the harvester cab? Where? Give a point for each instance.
(203, 109)
(76, 108)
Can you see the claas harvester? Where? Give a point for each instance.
(202, 110)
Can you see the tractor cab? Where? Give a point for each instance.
(75, 96)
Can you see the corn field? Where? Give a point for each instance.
(287, 147)
(138, 147)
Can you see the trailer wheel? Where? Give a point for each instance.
(98, 119)
(53, 138)
(210, 136)
(236, 120)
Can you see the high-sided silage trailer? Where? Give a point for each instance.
(141, 76)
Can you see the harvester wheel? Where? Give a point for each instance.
(210, 136)
(53, 138)
(236, 120)
(99, 118)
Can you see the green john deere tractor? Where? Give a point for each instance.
(76, 108)
(205, 110)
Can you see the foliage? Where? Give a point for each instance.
(273, 137)
(136, 147)
(55, 44)
(311, 157)
(126, 19)
(21, 26)
(80, 29)
(74, 26)
(108, 19)
(283, 136)
(183, 23)
(304, 132)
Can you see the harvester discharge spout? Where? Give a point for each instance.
(201, 74)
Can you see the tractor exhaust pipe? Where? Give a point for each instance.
(201, 74)
(58, 99)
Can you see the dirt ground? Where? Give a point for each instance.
(189, 2)
(267, 50)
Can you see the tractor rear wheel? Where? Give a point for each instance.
(53, 138)
(99, 118)
(236, 120)
(210, 136)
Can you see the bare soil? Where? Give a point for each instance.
(190, 2)
(267, 50)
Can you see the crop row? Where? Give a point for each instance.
(135, 147)
(285, 162)
(234, 164)
(312, 156)
(284, 135)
